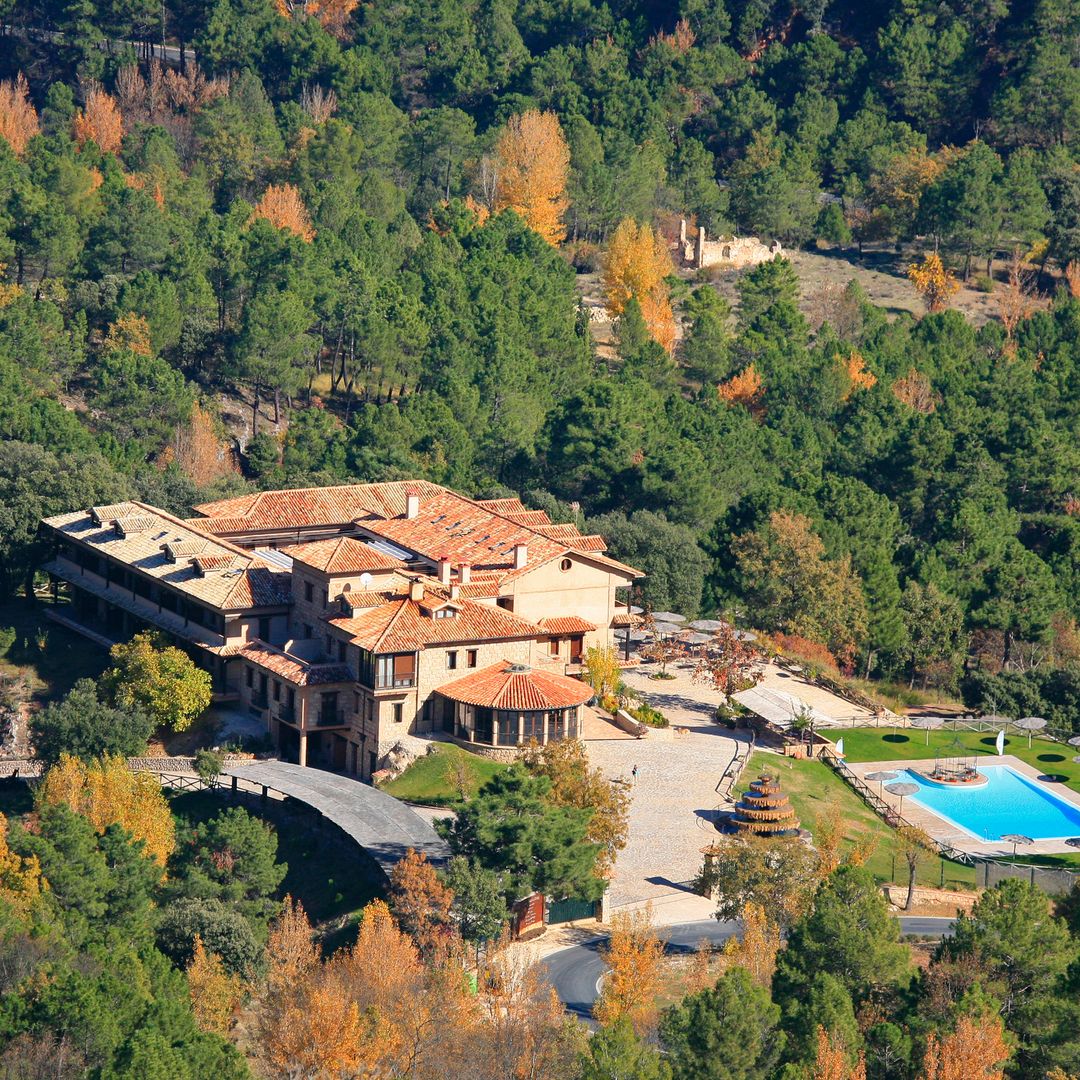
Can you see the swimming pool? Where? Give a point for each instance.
(1007, 803)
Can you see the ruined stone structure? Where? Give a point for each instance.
(735, 252)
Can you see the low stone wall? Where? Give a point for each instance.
(622, 719)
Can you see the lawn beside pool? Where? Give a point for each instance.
(814, 788)
(897, 744)
(433, 778)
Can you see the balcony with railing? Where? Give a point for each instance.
(323, 718)
(287, 715)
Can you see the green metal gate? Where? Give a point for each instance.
(564, 911)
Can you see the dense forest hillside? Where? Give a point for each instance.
(290, 255)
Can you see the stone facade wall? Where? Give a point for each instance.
(734, 252)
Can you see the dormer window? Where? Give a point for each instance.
(445, 613)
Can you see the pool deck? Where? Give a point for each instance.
(945, 832)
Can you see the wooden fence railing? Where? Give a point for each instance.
(889, 814)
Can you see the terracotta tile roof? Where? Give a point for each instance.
(230, 577)
(513, 686)
(302, 507)
(293, 669)
(593, 544)
(450, 526)
(564, 530)
(568, 624)
(532, 518)
(342, 555)
(405, 626)
(502, 506)
(481, 533)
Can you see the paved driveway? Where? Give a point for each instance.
(674, 800)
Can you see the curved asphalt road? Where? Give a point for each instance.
(576, 972)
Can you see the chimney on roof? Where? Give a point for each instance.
(465, 573)
(444, 569)
(412, 505)
(416, 590)
(455, 591)
(521, 555)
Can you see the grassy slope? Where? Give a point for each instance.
(814, 788)
(430, 779)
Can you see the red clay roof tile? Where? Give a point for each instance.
(513, 686)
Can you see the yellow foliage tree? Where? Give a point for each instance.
(858, 377)
(283, 207)
(215, 994)
(602, 671)
(18, 118)
(107, 792)
(633, 953)
(160, 679)
(976, 1050)
(755, 949)
(333, 15)
(130, 333)
(532, 160)
(744, 388)
(635, 265)
(21, 882)
(99, 121)
(935, 283)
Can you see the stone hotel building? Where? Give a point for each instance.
(343, 617)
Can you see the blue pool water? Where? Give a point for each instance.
(1006, 803)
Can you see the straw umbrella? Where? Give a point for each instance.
(925, 723)
(1017, 838)
(1075, 740)
(902, 790)
(881, 777)
(668, 617)
(667, 629)
(1030, 724)
(709, 626)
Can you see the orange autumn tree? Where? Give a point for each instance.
(99, 121)
(283, 207)
(634, 954)
(635, 266)
(935, 283)
(858, 378)
(532, 160)
(420, 901)
(833, 1061)
(130, 333)
(915, 391)
(333, 15)
(200, 451)
(18, 118)
(107, 792)
(976, 1050)
(744, 388)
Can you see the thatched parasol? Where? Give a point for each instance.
(902, 790)
(1017, 838)
(1030, 724)
(881, 777)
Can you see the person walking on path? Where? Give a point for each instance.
(633, 775)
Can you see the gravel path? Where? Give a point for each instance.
(674, 800)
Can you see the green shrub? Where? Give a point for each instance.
(646, 714)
